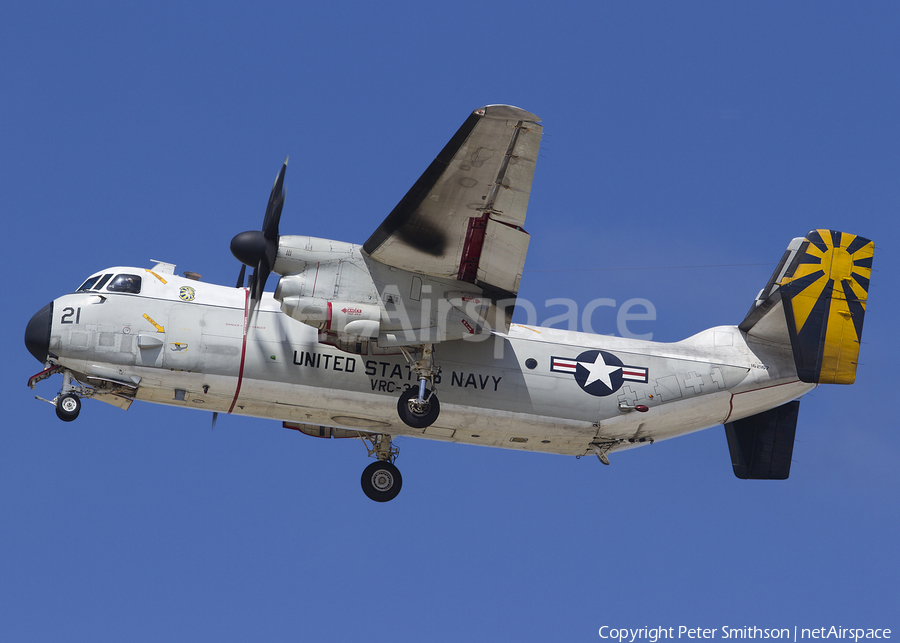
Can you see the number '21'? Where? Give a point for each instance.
(68, 312)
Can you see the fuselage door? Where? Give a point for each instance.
(182, 347)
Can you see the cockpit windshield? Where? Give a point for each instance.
(87, 285)
(122, 283)
(94, 283)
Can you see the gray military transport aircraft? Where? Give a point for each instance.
(410, 333)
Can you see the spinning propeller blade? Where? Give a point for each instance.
(258, 248)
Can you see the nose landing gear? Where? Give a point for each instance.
(68, 407)
(68, 401)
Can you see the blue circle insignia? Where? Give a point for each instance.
(599, 373)
(186, 293)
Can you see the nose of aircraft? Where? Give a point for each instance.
(37, 333)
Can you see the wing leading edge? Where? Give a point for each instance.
(463, 218)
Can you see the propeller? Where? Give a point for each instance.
(258, 248)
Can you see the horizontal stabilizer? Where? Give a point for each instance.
(761, 445)
(816, 301)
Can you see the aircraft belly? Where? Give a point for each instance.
(377, 412)
(750, 402)
(371, 412)
(669, 420)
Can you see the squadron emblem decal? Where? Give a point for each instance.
(598, 372)
(186, 293)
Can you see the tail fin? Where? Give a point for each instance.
(821, 285)
(761, 445)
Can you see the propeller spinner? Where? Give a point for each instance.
(258, 248)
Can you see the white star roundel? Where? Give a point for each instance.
(597, 372)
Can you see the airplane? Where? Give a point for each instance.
(411, 333)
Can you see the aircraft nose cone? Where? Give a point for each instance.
(37, 333)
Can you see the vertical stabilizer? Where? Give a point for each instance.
(821, 285)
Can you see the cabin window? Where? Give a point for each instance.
(125, 283)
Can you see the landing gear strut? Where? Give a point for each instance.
(419, 407)
(381, 481)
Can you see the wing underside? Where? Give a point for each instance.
(463, 218)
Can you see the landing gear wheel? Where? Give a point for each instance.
(381, 481)
(416, 415)
(68, 407)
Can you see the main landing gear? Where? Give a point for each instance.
(381, 480)
(419, 407)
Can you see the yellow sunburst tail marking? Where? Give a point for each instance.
(824, 293)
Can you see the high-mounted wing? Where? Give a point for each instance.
(463, 218)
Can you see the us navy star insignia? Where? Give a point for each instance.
(597, 372)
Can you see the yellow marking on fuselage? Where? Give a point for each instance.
(155, 275)
(159, 329)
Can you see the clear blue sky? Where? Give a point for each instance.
(676, 134)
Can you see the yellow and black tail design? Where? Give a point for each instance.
(822, 283)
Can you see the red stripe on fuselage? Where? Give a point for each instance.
(237, 391)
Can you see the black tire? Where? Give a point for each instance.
(68, 407)
(381, 481)
(412, 414)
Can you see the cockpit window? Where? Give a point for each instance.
(87, 285)
(125, 283)
(102, 281)
(97, 282)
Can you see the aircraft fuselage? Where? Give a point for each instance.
(193, 344)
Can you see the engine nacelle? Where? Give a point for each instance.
(347, 296)
(341, 317)
(327, 285)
